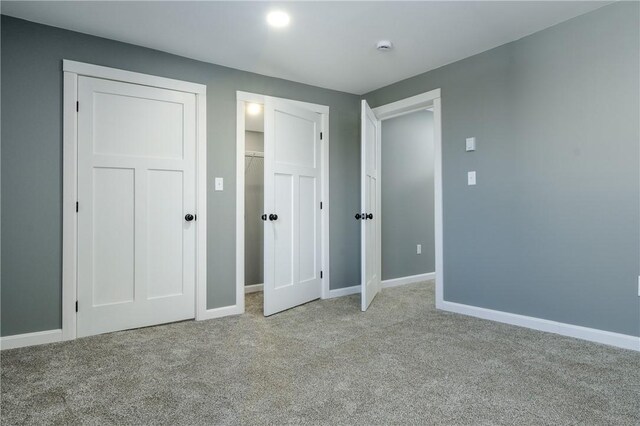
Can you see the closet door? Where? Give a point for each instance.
(136, 194)
(292, 205)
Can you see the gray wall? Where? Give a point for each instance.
(254, 208)
(552, 228)
(32, 164)
(407, 195)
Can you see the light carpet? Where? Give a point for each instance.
(401, 362)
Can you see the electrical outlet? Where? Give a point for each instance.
(419, 249)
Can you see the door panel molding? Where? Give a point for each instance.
(72, 70)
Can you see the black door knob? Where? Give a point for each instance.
(358, 216)
(370, 216)
(273, 217)
(263, 217)
(189, 217)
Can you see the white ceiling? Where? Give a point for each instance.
(328, 44)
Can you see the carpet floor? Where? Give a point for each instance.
(401, 362)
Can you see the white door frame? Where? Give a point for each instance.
(72, 70)
(246, 97)
(407, 106)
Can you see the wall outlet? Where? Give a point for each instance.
(419, 249)
(471, 178)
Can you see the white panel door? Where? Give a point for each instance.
(370, 206)
(136, 186)
(292, 244)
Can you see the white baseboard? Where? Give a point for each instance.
(220, 312)
(408, 280)
(624, 341)
(339, 292)
(30, 339)
(253, 288)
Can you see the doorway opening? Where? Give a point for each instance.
(412, 212)
(282, 202)
(407, 201)
(254, 206)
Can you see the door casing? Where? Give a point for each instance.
(242, 99)
(71, 71)
(431, 99)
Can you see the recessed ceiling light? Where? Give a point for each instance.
(278, 19)
(254, 109)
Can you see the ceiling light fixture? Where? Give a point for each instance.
(278, 19)
(254, 109)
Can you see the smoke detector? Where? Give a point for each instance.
(384, 45)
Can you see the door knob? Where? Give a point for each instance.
(370, 216)
(263, 217)
(189, 217)
(273, 217)
(357, 216)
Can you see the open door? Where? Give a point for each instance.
(292, 178)
(370, 206)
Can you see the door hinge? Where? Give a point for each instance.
(320, 135)
(77, 106)
(320, 205)
(76, 306)
(321, 274)
(77, 207)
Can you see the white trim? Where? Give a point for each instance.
(345, 291)
(30, 339)
(72, 70)
(253, 288)
(591, 334)
(410, 279)
(69, 197)
(259, 99)
(240, 220)
(324, 214)
(221, 312)
(90, 70)
(406, 106)
(437, 197)
(241, 99)
(201, 204)
(427, 100)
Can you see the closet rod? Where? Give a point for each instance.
(254, 154)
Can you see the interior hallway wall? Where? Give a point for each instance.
(253, 209)
(31, 166)
(407, 195)
(552, 229)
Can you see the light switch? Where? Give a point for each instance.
(219, 184)
(471, 144)
(419, 249)
(471, 178)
